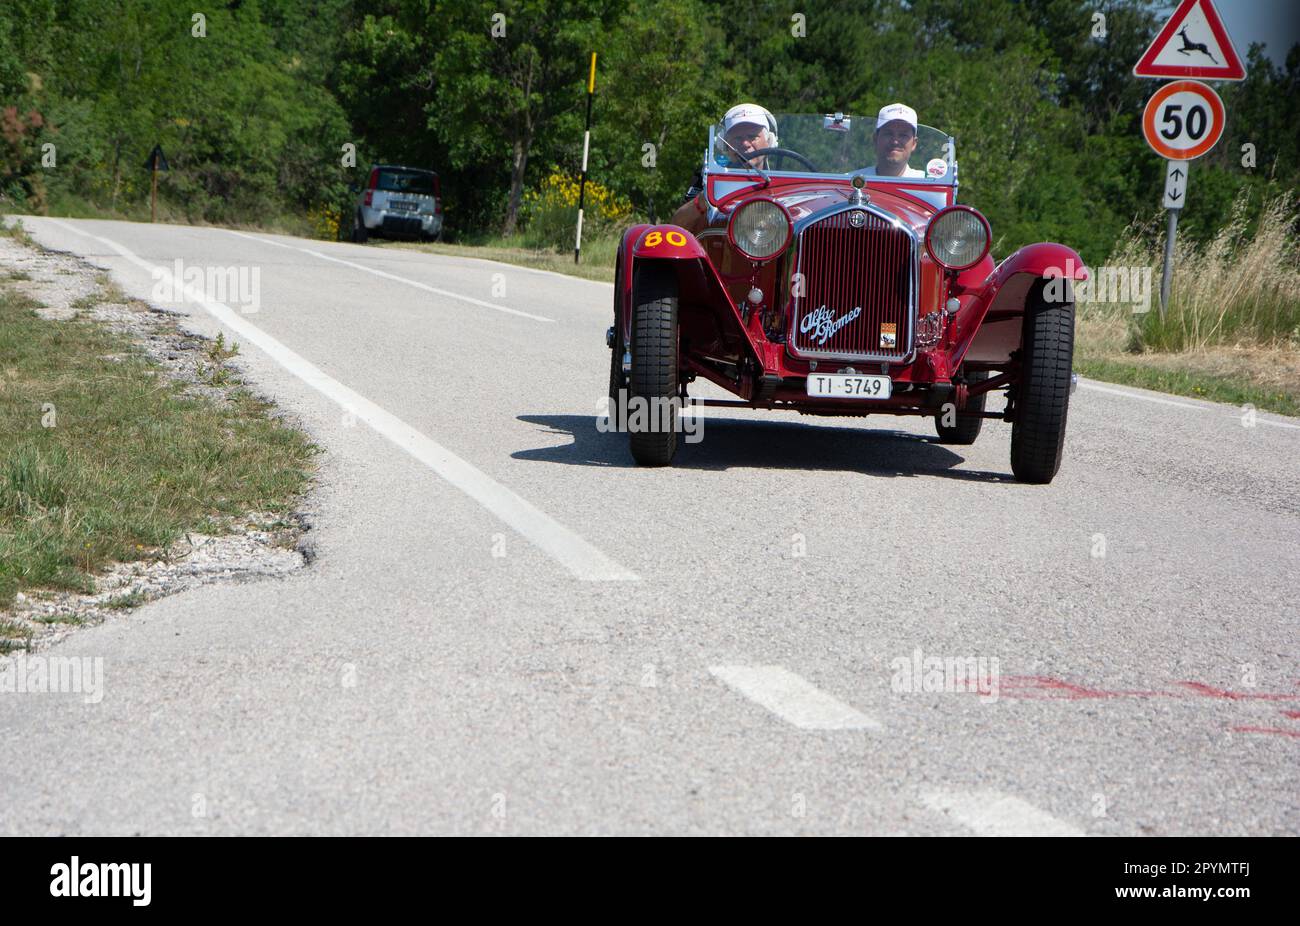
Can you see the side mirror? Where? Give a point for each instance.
(354, 188)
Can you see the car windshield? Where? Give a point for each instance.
(840, 145)
(405, 181)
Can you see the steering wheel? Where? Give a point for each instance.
(783, 153)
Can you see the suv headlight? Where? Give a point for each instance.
(958, 237)
(760, 229)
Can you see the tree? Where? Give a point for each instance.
(661, 85)
(507, 73)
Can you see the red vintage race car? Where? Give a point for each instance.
(833, 273)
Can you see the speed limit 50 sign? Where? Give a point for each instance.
(1183, 120)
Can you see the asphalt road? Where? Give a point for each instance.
(509, 628)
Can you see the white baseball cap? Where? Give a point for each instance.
(895, 112)
(748, 114)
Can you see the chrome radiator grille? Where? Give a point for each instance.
(857, 282)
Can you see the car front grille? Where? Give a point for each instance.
(857, 281)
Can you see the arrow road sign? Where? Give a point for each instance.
(1193, 43)
(1176, 185)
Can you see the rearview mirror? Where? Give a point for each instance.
(837, 123)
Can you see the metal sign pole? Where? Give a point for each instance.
(157, 161)
(586, 144)
(1167, 276)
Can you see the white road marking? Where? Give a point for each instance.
(565, 546)
(392, 276)
(992, 813)
(1188, 405)
(792, 698)
(1272, 424)
(1137, 395)
(505, 266)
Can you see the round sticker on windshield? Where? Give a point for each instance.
(937, 167)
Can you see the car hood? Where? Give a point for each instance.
(805, 200)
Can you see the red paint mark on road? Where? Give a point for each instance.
(1276, 730)
(1046, 688)
(1043, 687)
(1212, 692)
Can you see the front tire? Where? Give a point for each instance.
(966, 427)
(1043, 395)
(654, 380)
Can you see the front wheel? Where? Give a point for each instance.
(654, 381)
(1043, 394)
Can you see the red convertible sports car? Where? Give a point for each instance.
(805, 275)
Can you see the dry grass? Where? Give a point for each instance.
(1232, 328)
(1239, 290)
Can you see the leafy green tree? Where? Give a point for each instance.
(500, 94)
(661, 84)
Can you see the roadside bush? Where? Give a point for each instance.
(20, 174)
(550, 213)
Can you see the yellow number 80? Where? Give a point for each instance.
(654, 239)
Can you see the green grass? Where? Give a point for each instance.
(104, 460)
(129, 600)
(13, 228)
(174, 213)
(14, 636)
(1189, 381)
(74, 619)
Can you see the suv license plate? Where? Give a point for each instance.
(848, 386)
(401, 206)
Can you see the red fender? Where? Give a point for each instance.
(705, 307)
(988, 326)
(671, 242)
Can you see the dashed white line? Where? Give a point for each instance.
(562, 544)
(392, 276)
(992, 813)
(504, 266)
(792, 698)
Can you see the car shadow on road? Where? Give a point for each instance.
(730, 442)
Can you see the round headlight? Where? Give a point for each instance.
(760, 229)
(958, 237)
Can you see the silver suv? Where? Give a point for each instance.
(399, 202)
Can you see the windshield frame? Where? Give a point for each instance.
(711, 167)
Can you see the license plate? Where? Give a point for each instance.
(400, 206)
(848, 386)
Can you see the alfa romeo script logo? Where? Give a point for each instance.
(823, 324)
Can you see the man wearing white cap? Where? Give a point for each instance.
(748, 127)
(895, 142)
